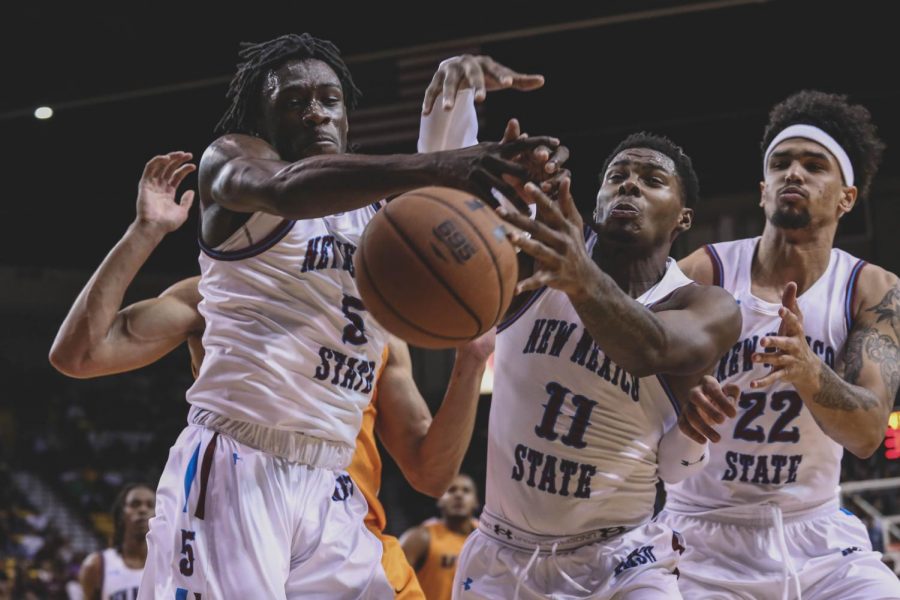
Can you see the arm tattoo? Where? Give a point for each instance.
(889, 309)
(881, 349)
(835, 394)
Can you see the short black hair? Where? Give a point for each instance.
(684, 167)
(257, 59)
(849, 124)
(118, 511)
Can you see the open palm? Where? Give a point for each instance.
(157, 188)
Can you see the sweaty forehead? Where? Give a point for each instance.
(803, 146)
(645, 157)
(307, 73)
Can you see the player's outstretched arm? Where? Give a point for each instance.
(98, 336)
(244, 174)
(682, 336)
(851, 403)
(429, 451)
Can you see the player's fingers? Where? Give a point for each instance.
(177, 176)
(535, 282)
(789, 296)
(791, 321)
(187, 199)
(557, 159)
(153, 167)
(536, 249)
(491, 181)
(732, 391)
(499, 166)
(774, 359)
(451, 86)
(527, 144)
(512, 131)
(780, 342)
(432, 92)
(704, 404)
(475, 80)
(696, 420)
(768, 379)
(527, 82)
(718, 396)
(688, 430)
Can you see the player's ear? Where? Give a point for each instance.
(847, 200)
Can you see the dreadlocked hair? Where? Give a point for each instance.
(118, 512)
(849, 124)
(259, 59)
(684, 167)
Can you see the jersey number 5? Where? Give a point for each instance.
(355, 332)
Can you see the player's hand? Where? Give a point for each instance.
(557, 243)
(482, 73)
(156, 205)
(708, 405)
(492, 165)
(544, 164)
(480, 348)
(792, 361)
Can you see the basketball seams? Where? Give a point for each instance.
(386, 304)
(419, 254)
(486, 244)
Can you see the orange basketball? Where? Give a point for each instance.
(434, 267)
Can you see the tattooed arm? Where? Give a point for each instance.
(852, 403)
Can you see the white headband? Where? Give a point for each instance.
(815, 134)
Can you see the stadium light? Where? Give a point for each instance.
(43, 113)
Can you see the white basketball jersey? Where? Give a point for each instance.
(288, 342)
(120, 582)
(573, 437)
(773, 451)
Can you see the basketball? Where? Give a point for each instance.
(435, 268)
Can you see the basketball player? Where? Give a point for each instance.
(817, 366)
(590, 371)
(115, 573)
(433, 547)
(413, 438)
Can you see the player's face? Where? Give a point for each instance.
(303, 112)
(460, 499)
(639, 202)
(140, 505)
(803, 186)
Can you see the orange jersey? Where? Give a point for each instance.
(365, 469)
(444, 546)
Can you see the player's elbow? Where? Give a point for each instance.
(66, 362)
(430, 482)
(72, 364)
(866, 447)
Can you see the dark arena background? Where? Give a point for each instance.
(141, 80)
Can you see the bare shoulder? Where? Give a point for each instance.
(698, 266)
(91, 566)
(415, 536)
(228, 148)
(877, 295)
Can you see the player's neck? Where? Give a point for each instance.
(134, 550)
(635, 270)
(461, 525)
(785, 255)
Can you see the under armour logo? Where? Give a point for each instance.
(685, 463)
(467, 584)
(500, 531)
(235, 457)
